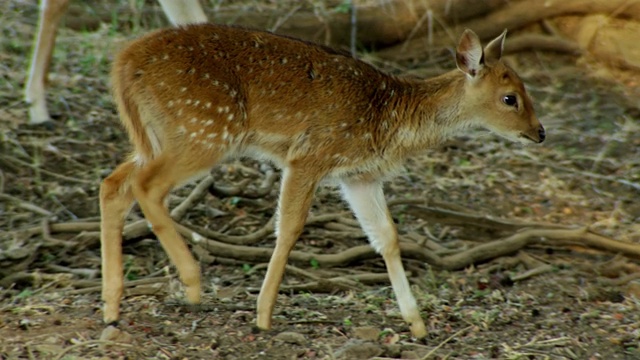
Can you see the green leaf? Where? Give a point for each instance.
(343, 8)
(24, 294)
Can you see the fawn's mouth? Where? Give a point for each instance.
(525, 136)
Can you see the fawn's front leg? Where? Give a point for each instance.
(368, 203)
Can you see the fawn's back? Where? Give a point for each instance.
(212, 90)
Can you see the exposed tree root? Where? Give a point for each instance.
(217, 247)
(515, 16)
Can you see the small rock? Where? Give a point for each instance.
(408, 354)
(358, 350)
(633, 289)
(47, 349)
(367, 333)
(393, 350)
(291, 338)
(112, 333)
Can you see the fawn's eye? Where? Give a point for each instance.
(510, 100)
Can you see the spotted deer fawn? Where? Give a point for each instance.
(178, 11)
(193, 96)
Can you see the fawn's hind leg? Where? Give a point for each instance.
(150, 186)
(115, 201)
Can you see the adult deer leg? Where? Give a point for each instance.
(181, 12)
(51, 12)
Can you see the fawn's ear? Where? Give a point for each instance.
(469, 57)
(493, 50)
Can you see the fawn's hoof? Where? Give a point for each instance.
(47, 125)
(263, 323)
(418, 330)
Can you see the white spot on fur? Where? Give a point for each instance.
(139, 160)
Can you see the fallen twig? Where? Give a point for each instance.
(26, 205)
(89, 343)
(198, 192)
(86, 287)
(444, 216)
(346, 282)
(455, 335)
(589, 174)
(290, 268)
(533, 272)
(47, 172)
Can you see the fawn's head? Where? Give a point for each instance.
(495, 95)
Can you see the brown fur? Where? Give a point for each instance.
(192, 96)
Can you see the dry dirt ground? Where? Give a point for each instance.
(544, 301)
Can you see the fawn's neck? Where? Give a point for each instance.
(425, 114)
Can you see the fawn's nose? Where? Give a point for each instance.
(541, 134)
